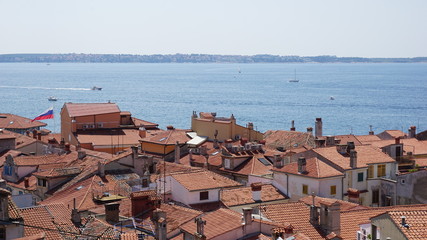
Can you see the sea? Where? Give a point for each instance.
(348, 97)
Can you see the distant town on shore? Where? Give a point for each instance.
(196, 58)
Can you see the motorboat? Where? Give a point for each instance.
(96, 88)
(52, 99)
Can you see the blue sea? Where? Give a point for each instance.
(386, 96)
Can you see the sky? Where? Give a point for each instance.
(345, 28)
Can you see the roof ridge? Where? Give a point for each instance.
(87, 192)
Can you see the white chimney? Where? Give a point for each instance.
(256, 191)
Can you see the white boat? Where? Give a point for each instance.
(52, 98)
(295, 78)
(96, 88)
(332, 98)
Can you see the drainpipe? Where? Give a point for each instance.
(287, 185)
(342, 187)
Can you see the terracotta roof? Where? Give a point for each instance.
(58, 172)
(409, 145)
(32, 183)
(365, 155)
(129, 236)
(142, 123)
(243, 195)
(296, 214)
(393, 133)
(177, 215)
(217, 223)
(417, 221)
(4, 135)
(14, 212)
(203, 180)
(44, 159)
(421, 162)
(11, 121)
(343, 139)
(315, 168)
(3, 155)
(109, 138)
(288, 139)
(21, 140)
(252, 166)
(351, 219)
(344, 205)
(40, 219)
(88, 109)
(169, 137)
(364, 139)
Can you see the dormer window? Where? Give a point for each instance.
(8, 170)
(42, 182)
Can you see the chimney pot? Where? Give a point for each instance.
(403, 220)
(112, 212)
(397, 140)
(302, 165)
(318, 127)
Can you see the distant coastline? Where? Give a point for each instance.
(193, 58)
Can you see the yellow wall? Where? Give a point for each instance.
(157, 148)
(225, 130)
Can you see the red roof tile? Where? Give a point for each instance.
(288, 139)
(315, 168)
(344, 205)
(243, 195)
(87, 109)
(417, 221)
(11, 121)
(169, 137)
(108, 138)
(203, 180)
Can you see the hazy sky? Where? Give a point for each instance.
(365, 28)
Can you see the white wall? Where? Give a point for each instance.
(181, 194)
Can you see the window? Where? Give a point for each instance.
(8, 170)
(100, 125)
(371, 171)
(360, 177)
(333, 190)
(375, 196)
(304, 189)
(381, 170)
(227, 163)
(42, 182)
(204, 195)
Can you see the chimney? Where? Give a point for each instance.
(39, 136)
(26, 182)
(243, 141)
(397, 140)
(228, 144)
(177, 152)
(27, 133)
(112, 212)
(203, 150)
(330, 141)
(293, 125)
(144, 201)
(350, 146)
(75, 215)
(256, 191)
(67, 147)
(142, 132)
(412, 132)
(35, 134)
(318, 127)
(353, 158)
(247, 216)
(330, 217)
(101, 169)
(81, 154)
(134, 152)
(159, 220)
(170, 127)
(302, 165)
(370, 130)
(62, 142)
(200, 231)
(310, 130)
(278, 161)
(190, 155)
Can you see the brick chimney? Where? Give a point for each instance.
(412, 132)
(159, 220)
(256, 191)
(142, 132)
(35, 134)
(330, 217)
(247, 216)
(112, 212)
(397, 140)
(292, 125)
(278, 161)
(177, 152)
(353, 158)
(81, 154)
(39, 136)
(310, 130)
(144, 201)
(302, 165)
(318, 127)
(75, 215)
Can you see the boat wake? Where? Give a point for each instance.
(48, 88)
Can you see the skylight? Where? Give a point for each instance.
(79, 187)
(162, 139)
(264, 161)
